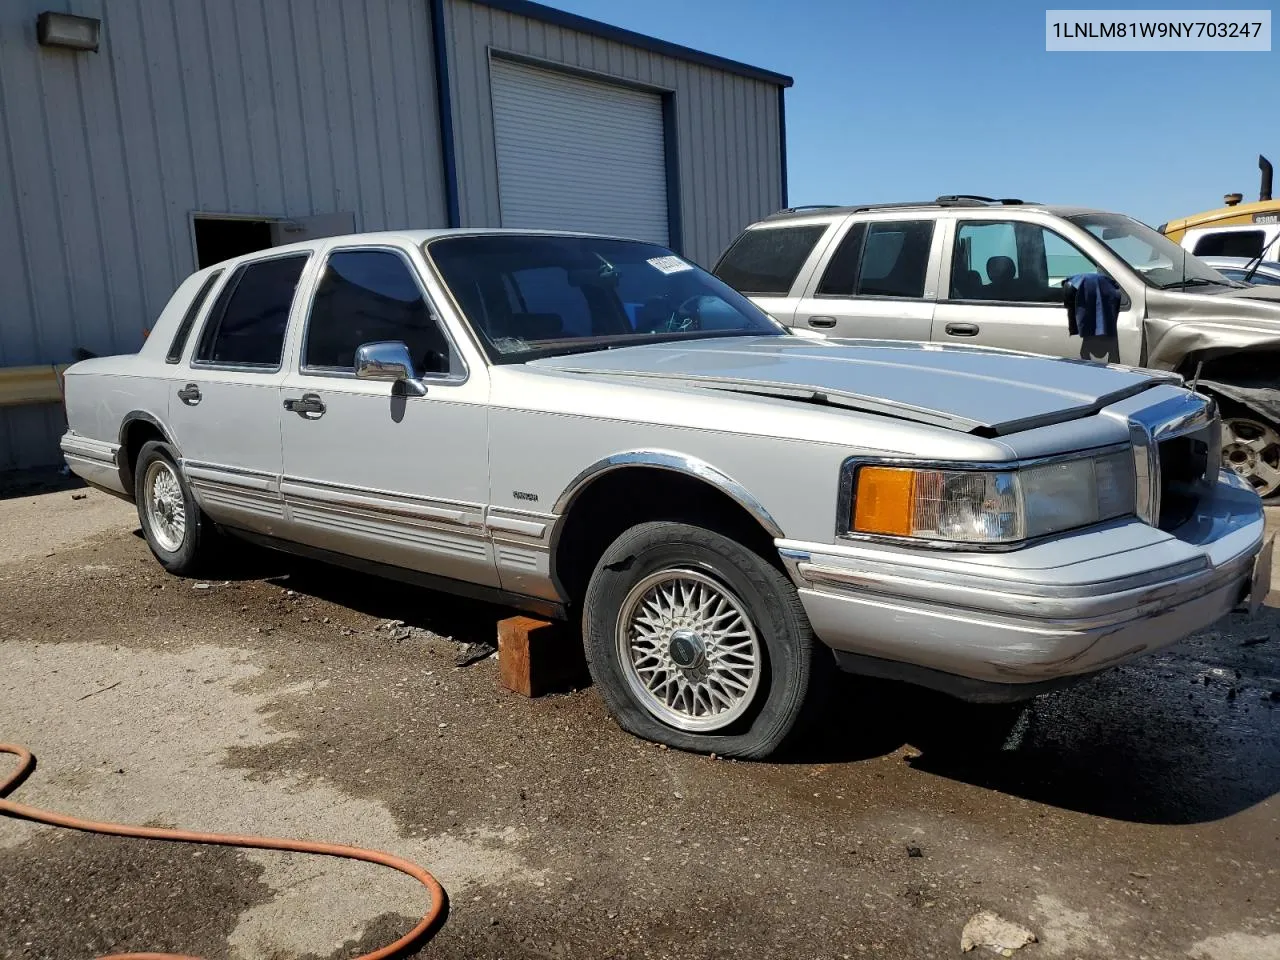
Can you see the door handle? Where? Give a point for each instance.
(308, 405)
(823, 322)
(962, 329)
(190, 394)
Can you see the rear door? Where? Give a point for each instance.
(225, 409)
(879, 282)
(1004, 289)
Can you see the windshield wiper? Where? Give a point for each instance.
(1190, 282)
(1254, 264)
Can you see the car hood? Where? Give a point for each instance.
(1179, 324)
(982, 391)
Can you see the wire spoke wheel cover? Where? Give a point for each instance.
(688, 649)
(1251, 448)
(165, 505)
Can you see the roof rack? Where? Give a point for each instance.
(953, 197)
(947, 200)
(808, 206)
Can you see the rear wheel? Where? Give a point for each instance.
(697, 642)
(1251, 448)
(176, 530)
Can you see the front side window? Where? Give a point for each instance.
(1013, 262)
(367, 296)
(766, 261)
(246, 326)
(1231, 243)
(528, 296)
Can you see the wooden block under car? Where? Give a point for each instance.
(537, 656)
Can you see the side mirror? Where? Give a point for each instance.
(388, 360)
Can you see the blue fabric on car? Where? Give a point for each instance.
(1093, 305)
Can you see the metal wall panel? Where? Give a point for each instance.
(279, 108)
(726, 126)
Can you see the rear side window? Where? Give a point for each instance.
(247, 325)
(842, 270)
(1236, 243)
(888, 258)
(368, 296)
(189, 318)
(766, 261)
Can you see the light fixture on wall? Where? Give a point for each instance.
(68, 30)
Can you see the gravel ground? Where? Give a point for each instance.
(1132, 816)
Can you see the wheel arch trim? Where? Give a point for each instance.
(122, 453)
(670, 461)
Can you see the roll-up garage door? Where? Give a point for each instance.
(576, 154)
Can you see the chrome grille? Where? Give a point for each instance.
(1177, 446)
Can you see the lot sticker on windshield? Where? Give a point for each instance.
(671, 264)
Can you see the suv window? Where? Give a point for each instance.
(1234, 243)
(1013, 262)
(247, 324)
(766, 261)
(886, 258)
(366, 296)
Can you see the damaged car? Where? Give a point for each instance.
(597, 430)
(964, 269)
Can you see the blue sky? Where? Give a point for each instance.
(909, 100)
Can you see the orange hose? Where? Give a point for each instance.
(422, 931)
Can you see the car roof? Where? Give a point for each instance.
(949, 202)
(410, 237)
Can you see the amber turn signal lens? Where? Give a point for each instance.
(884, 501)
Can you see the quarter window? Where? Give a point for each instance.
(1013, 262)
(247, 324)
(766, 261)
(367, 296)
(189, 318)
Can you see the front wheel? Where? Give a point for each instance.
(697, 642)
(1251, 448)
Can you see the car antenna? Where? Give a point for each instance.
(1195, 380)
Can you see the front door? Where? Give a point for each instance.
(876, 284)
(224, 407)
(1005, 290)
(369, 470)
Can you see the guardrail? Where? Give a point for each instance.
(25, 385)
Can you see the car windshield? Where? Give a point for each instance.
(530, 296)
(1157, 260)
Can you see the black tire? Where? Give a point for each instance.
(795, 667)
(197, 546)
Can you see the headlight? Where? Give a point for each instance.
(992, 506)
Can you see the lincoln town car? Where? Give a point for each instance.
(597, 430)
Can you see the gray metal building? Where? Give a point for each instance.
(200, 129)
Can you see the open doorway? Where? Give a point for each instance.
(221, 237)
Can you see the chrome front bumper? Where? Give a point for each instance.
(1059, 609)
